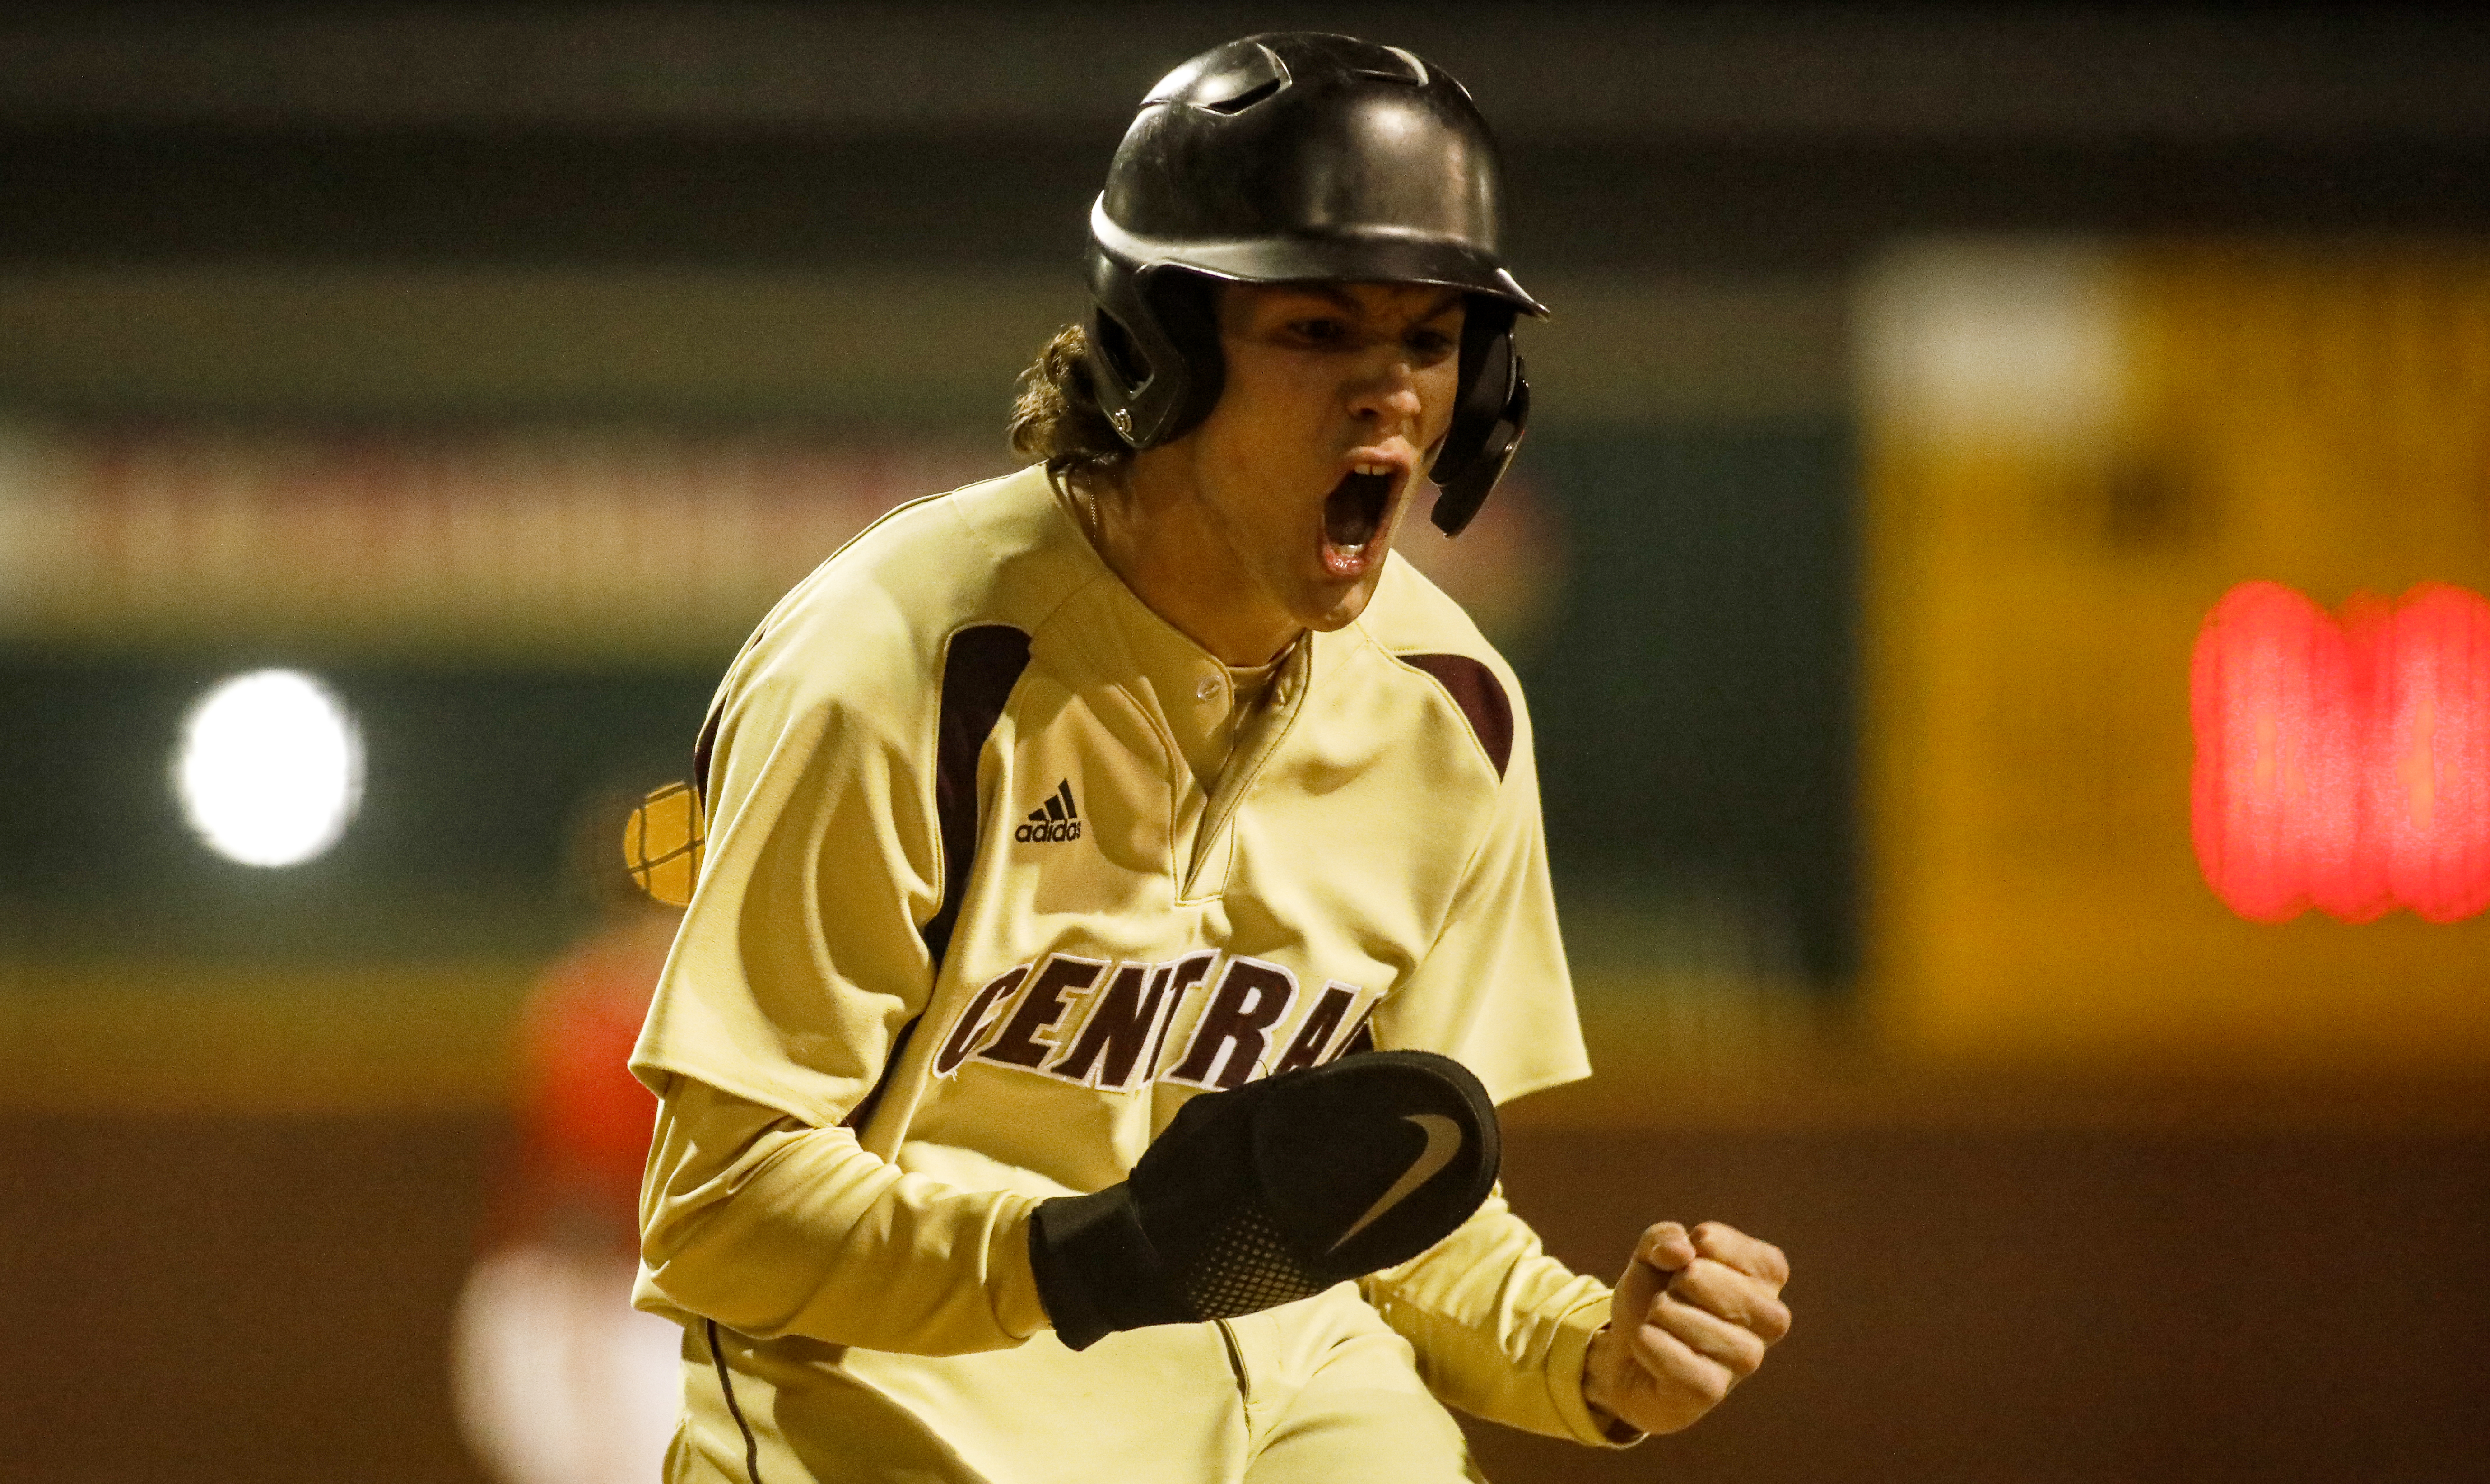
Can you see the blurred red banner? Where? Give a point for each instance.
(589, 541)
(618, 542)
(2343, 760)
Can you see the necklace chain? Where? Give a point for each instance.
(1086, 515)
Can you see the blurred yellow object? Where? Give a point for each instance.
(2072, 453)
(662, 843)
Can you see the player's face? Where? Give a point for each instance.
(1336, 396)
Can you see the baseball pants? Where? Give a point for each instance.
(1308, 1393)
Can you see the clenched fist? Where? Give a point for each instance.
(1691, 1318)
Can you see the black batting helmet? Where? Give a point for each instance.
(1292, 156)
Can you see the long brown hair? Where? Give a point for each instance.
(1056, 418)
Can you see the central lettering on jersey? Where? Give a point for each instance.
(1102, 1024)
(1054, 819)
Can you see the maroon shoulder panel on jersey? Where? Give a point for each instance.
(979, 670)
(703, 749)
(978, 673)
(1480, 696)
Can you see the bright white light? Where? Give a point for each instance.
(2009, 342)
(271, 768)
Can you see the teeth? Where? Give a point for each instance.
(1374, 469)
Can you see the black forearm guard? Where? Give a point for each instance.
(1271, 1193)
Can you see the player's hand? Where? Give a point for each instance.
(1691, 1318)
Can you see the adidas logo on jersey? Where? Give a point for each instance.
(1054, 819)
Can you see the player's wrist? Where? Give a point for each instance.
(1613, 1429)
(1096, 1268)
(1586, 1368)
(1598, 1366)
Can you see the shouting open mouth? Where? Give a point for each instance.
(1353, 517)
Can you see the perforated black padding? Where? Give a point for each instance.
(1248, 1268)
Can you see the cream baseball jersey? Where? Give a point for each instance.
(971, 927)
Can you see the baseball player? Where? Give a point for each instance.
(1125, 896)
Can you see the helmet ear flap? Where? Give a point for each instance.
(1153, 356)
(1489, 410)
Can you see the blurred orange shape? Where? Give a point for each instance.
(663, 842)
(2343, 762)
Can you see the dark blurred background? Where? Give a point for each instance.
(500, 365)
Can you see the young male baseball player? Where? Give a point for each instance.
(1125, 896)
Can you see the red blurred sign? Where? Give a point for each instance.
(2343, 760)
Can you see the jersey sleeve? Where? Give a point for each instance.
(1501, 1329)
(800, 955)
(774, 1226)
(801, 959)
(1493, 991)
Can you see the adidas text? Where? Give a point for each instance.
(1057, 819)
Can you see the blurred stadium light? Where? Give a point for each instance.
(271, 768)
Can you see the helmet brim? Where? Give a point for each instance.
(1370, 256)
